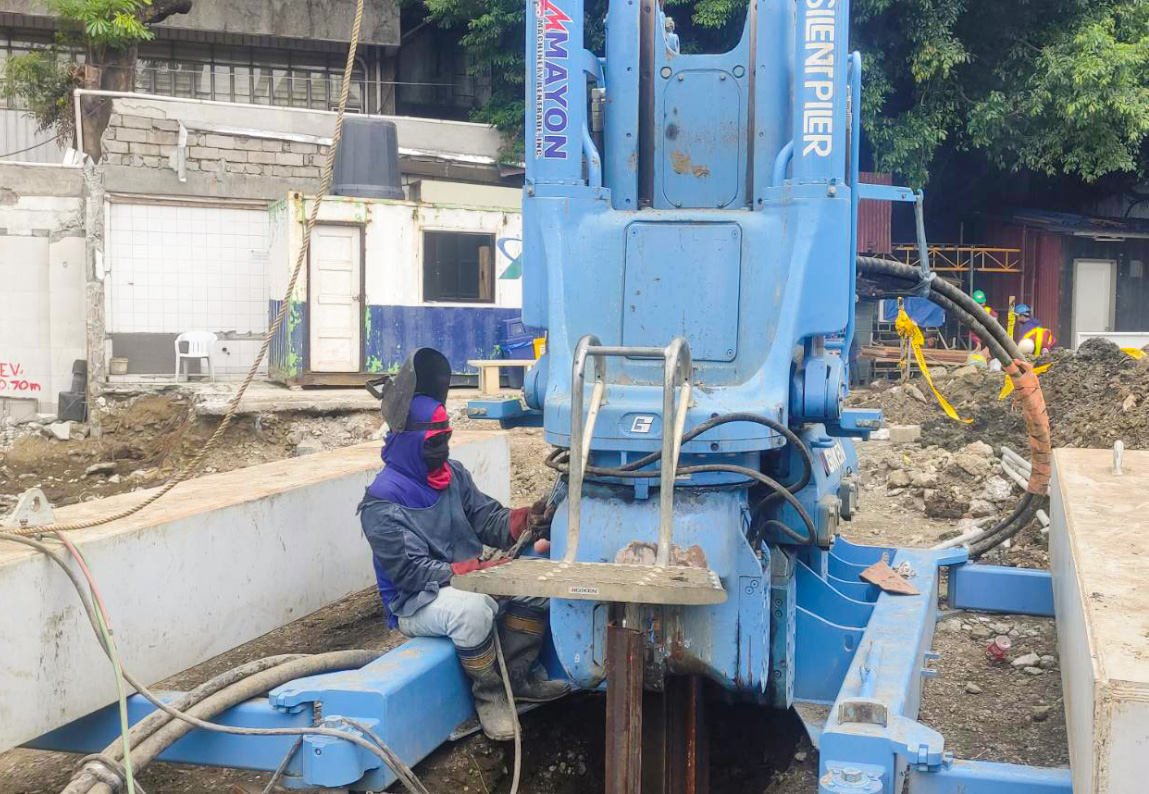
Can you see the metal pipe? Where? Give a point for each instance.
(785, 154)
(628, 352)
(677, 365)
(578, 459)
(855, 72)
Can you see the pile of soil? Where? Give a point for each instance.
(141, 440)
(1094, 396)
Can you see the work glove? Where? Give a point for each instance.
(472, 565)
(520, 520)
(542, 513)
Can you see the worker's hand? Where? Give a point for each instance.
(472, 565)
(542, 513)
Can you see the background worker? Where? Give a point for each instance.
(980, 354)
(1033, 338)
(427, 521)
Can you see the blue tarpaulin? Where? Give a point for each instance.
(922, 311)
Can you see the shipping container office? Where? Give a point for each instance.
(384, 277)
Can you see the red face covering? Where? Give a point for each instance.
(440, 477)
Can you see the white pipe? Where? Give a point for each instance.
(968, 536)
(1043, 518)
(79, 123)
(1022, 464)
(1014, 475)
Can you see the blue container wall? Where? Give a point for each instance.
(460, 332)
(286, 352)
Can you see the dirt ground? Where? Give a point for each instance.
(990, 711)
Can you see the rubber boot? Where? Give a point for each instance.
(482, 666)
(522, 630)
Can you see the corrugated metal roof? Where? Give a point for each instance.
(1082, 225)
(875, 218)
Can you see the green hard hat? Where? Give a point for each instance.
(979, 296)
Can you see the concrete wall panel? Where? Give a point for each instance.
(219, 561)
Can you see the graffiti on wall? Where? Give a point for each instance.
(512, 249)
(13, 379)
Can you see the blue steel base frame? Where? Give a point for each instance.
(849, 646)
(871, 740)
(413, 697)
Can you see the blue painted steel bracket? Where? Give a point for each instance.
(508, 411)
(996, 588)
(982, 777)
(867, 190)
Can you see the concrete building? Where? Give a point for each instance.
(232, 114)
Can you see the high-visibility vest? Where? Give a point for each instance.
(1042, 338)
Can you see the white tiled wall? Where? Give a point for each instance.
(173, 269)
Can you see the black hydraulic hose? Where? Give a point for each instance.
(789, 531)
(347, 659)
(981, 546)
(743, 416)
(239, 692)
(83, 780)
(560, 456)
(979, 317)
(1003, 348)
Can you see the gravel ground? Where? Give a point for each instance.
(987, 710)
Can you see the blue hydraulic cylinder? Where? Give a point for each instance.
(820, 90)
(556, 92)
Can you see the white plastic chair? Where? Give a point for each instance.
(200, 344)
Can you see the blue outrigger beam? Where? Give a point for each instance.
(414, 698)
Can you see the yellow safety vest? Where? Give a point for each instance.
(1040, 337)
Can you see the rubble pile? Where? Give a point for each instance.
(1095, 396)
(967, 483)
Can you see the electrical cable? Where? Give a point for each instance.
(514, 715)
(193, 466)
(114, 655)
(279, 770)
(236, 693)
(83, 780)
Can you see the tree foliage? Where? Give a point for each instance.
(1052, 87)
(106, 33)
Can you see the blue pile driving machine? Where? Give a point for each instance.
(690, 228)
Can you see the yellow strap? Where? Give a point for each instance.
(909, 330)
(1135, 352)
(1007, 387)
(1012, 321)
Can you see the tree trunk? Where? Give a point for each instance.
(117, 72)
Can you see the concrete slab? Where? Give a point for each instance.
(219, 561)
(1099, 551)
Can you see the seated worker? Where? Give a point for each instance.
(1033, 338)
(426, 521)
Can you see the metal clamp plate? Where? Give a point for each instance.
(597, 581)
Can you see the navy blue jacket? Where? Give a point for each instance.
(413, 548)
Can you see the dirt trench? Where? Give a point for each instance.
(986, 710)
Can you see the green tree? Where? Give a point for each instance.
(493, 34)
(1049, 87)
(96, 47)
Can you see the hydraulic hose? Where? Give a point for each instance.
(1005, 350)
(84, 779)
(349, 659)
(558, 460)
(239, 692)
